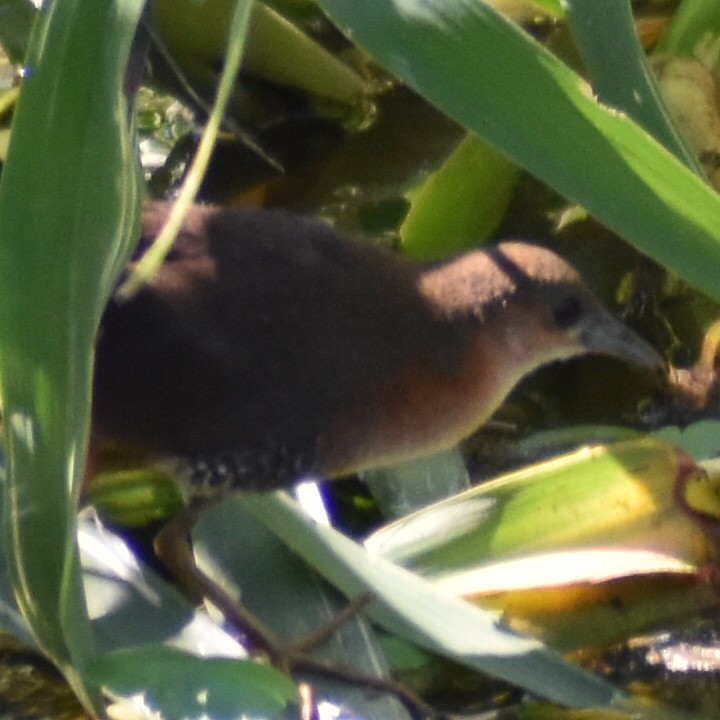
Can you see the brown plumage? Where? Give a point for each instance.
(269, 346)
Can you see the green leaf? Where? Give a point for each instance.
(238, 551)
(553, 7)
(183, 686)
(69, 198)
(16, 20)
(278, 51)
(614, 495)
(498, 82)
(400, 489)
(693, 23)
(410, 607)
(604, 33)
(461, 204)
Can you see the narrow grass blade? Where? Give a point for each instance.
(409, 606)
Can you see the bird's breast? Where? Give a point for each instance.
(420, 410)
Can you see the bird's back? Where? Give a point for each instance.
(257, 330)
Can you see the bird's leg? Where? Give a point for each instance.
(172, 546)
(324, 633)
(173, 549)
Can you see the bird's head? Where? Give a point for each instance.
(533, 305)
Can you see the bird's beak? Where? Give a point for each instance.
(606, 335)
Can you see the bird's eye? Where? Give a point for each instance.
(568, 311)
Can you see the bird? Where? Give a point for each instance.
(270, 346)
